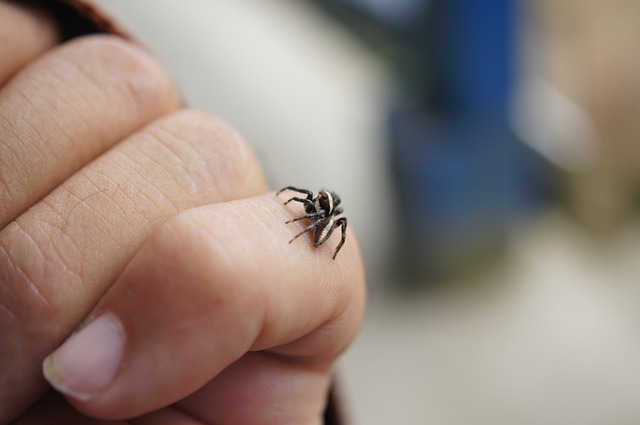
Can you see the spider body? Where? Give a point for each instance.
(322, 209)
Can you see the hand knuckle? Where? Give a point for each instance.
(118, 67)
(212, 151)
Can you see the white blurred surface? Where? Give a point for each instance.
(309, 100)
(551, 338)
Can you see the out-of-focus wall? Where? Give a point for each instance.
(588, 51)
(309, 99)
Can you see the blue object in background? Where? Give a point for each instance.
(472, 46)
(461, 176)
(459, 170)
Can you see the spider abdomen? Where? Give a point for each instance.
(323, 231)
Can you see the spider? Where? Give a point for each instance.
(322, 210)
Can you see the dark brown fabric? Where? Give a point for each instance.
(333, 412)
(77, 18)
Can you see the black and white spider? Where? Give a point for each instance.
(322, 209)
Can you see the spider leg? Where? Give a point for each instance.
(340, 222)
(295, 189)
(310, 216)
(305, 201)
(311, 227)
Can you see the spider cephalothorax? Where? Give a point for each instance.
(322, 210)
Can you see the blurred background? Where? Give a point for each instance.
(487, 153)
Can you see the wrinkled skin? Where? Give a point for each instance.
(146, 231)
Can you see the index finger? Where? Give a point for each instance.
(209, 286)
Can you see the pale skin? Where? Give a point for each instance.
(147, 231)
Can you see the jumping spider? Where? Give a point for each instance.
(322, 210)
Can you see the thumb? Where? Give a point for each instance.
(217, 308)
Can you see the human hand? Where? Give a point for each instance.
(110, 195)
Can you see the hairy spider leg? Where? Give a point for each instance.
(295, 189)
(304, 201)
(313, 226)
(309, 206)
(309, 216)
(342, 221)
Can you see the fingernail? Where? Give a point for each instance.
(89, 360)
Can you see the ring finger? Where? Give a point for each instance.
(25, 32)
